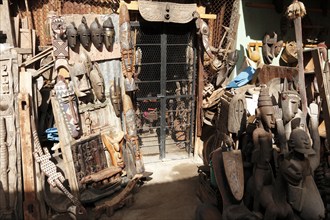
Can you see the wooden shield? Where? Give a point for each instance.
(233, 164)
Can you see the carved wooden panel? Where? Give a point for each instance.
(89, 157)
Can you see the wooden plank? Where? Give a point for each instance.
(30, 204)
(16, 28)
(134, 6)
(269, 72)
(20, 50)
(25, 38)
(34, 42)
(324, 89)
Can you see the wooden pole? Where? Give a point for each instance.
(295, 11)
(29, 15)
(200, 87)
(301, 73)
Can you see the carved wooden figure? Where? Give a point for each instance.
(114, 144)
(126, 48)
(269, 193)
(131, 133)
(298, 167)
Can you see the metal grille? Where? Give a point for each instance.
(165, 96)
(227, 15)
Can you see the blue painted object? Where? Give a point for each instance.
(243, 78)
(52, 134)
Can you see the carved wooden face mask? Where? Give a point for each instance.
(71, 33)
(237, 114)
(289, 102)
(97, 82)
(96, 33)
(127, 56)
(84, 33)
(267, 116)
(115, 97)
(108, 33)
(68, 104)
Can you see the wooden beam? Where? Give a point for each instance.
(30, 204)
(134, 6)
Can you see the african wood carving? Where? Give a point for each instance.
(10, 172)
(84, 34)
(96, 33)
(108, 33)
(126, 48)
(298, 167)
(166, 11)
(131, 133)
(67, 99)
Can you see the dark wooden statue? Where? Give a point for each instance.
(268, 192)
(298, 167)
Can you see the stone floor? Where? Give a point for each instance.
(170, 193)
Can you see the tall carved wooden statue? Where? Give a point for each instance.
(298, 167)
(132, 142)
(126, 48)
(269, 194)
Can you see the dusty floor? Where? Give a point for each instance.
(170, 193)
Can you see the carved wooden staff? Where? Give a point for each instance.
(295, 12)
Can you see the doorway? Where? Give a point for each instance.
(165, 99)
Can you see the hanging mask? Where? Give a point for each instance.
(115, 96)
(71, 33)
(108, 33)
(97, 33)
(84, 33)
(97, 82)
(68, 103)
(237, 114)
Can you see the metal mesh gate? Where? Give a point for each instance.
(165, 98)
